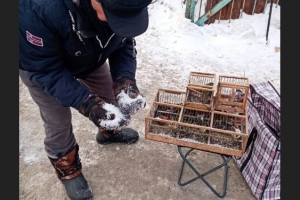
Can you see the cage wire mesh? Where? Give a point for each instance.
(201, 80)
(196, 117)
(225, 140)
(234, 80)
(169, 97)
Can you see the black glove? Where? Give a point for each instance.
(102, 114)
(128, 96)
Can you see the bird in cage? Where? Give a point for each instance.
(239, 121)
(236, 129)
(173, 125)
(162, 117)
(199, 119)
(210, 84)
(171, 110)
(206, 97)
(165, 117)
(202, 130)
(239, 96)
(186, 129)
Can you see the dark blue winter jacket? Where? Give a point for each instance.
(56, 48)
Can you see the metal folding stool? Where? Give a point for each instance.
(225, 158)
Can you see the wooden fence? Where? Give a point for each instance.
(233, 9)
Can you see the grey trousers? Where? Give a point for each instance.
(57, 118)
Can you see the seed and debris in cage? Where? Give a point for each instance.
(197, 134)
(225, 140)
(167, 129)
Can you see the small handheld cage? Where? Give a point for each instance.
(164, 118)
(165, 110)
(232, 93)
(200, 90)
(199, 97)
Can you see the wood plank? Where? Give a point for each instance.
(193, 88)
(172, 91)
(230, 103)
(198, 127)
(211, 12)
(230, 114)
(167, 104)
(200, 146)
(199, 85)
(188, 9)
(229, 109)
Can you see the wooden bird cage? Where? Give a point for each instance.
(200, 90)
(232, 93)
(199, 97)
(171, 122)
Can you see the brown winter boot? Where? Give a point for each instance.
(68, 170)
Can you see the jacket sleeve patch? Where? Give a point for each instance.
(37, 41)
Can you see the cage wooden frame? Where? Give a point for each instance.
(175, 126)
(199, 85)
(200, 94)
(227, 102)
(203, 79)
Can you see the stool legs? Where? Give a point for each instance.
(226, 159)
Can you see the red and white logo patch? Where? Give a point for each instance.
(34, 39)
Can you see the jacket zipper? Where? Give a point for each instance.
(100, 43)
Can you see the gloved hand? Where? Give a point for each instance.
(102, 114)
(128, 96)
